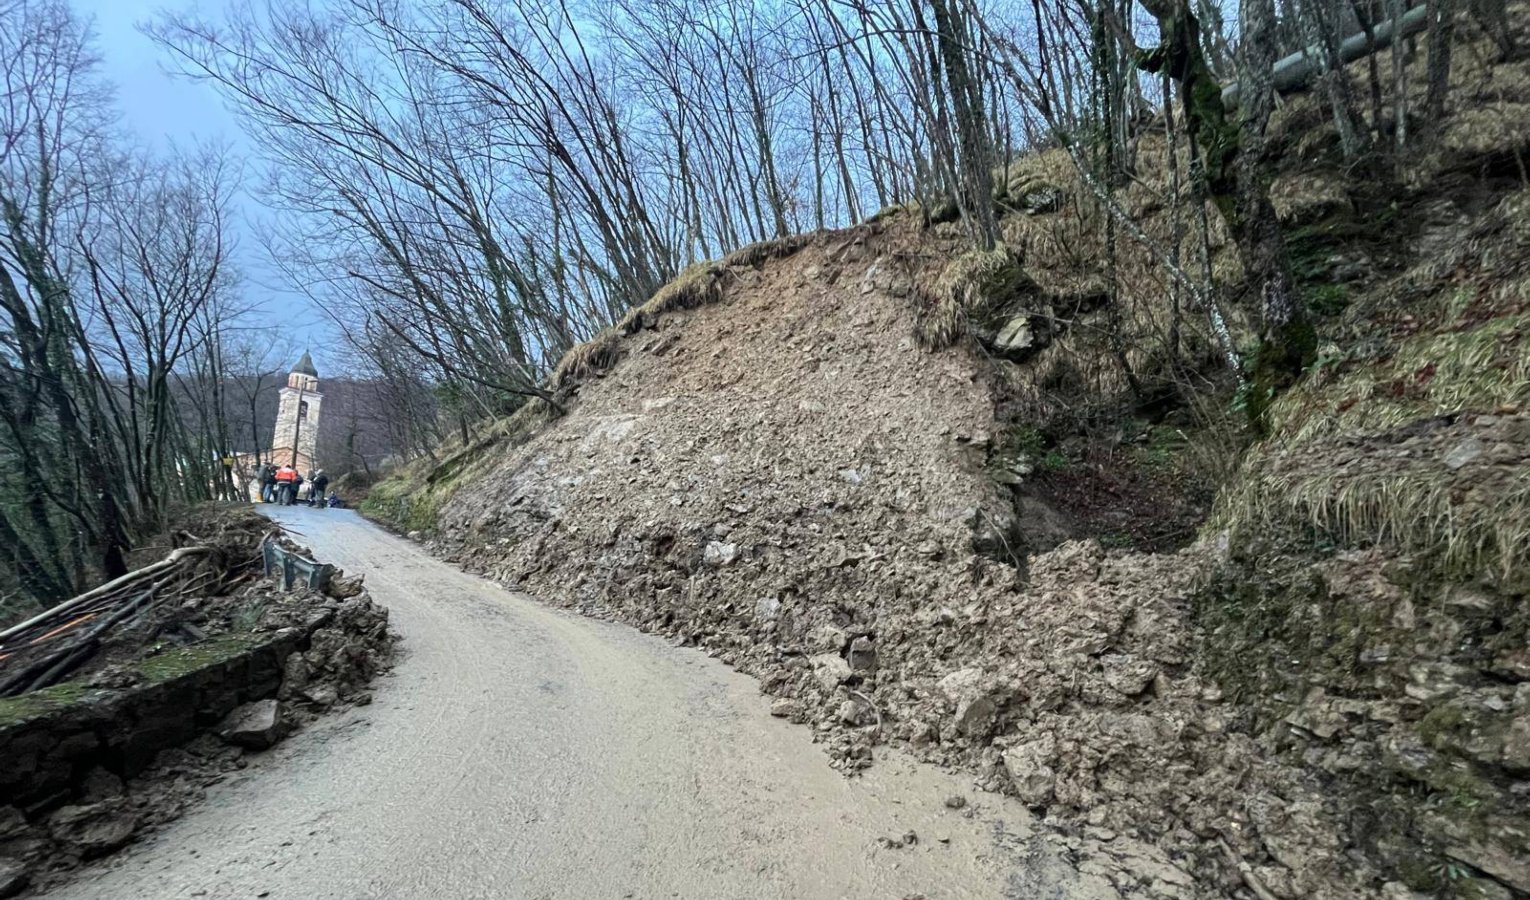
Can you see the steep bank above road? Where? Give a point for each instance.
(895, 482)
(788, 481)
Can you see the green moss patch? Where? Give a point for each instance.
(14, 710)
(180, 661)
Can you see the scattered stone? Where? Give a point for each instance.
(343, 587)
(956, 801)
(256, 725)
(322, 695)
(975, 717)
(295, 675)
(854, 713)
(830, 670)
(862, 656)
(99, 784)
(767, 608)
(719, 553)
(12, 822)
(1016, 334)
(1497, 861)
(785, 708)
(1516, 746)
(1129, 676)
(1513, 664)
(972, 692)
(1030, 771)
(1464, 453)
(93, 830)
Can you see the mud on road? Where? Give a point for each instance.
(520, 751)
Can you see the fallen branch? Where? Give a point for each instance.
(1246, 870)
(170, 562)
(61, 662)
(867, 700)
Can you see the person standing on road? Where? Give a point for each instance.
(316, 488)
(268, 483)
(286, 485)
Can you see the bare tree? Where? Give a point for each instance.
(112, 262)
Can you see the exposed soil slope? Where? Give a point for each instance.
(852, 464)
(785, 479)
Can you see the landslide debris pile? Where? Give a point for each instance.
(819, 461)
(787, 480)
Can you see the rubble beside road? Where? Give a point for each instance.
(783, 478)
(786, 481)
(167, 707)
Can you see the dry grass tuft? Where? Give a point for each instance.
(595, 355)
(1475, 135)
(1048, 172)
(760, 252)
(698, 285)
(1309, 195)
(1357, 448)
(970, 286)
(1472, 523)
(1483, 368)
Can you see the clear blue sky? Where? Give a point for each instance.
(161, 110)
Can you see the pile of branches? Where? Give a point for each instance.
(47, 648)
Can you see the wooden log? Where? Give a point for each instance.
(169, 562)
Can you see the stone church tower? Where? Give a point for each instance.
(296, 439)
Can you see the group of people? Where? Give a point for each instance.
(285, 486)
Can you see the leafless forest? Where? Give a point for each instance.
(470, 188)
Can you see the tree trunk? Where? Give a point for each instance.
(1442, 18)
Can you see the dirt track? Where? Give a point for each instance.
(518, 751)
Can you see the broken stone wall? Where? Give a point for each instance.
(69, 751)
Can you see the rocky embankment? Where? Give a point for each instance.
(786, 480)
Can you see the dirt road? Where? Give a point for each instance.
(520, 752)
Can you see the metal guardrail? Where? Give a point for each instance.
(294, 569)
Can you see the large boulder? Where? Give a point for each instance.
(94, 829)
(255, 725)
(1029, 766)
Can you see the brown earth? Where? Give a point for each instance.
(901, 498)
(786, 480)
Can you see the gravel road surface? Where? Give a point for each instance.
(517, 751)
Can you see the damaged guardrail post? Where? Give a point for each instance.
(294, 567)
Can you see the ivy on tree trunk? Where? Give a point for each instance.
(1235, 176)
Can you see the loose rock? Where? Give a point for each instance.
(256, 725)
